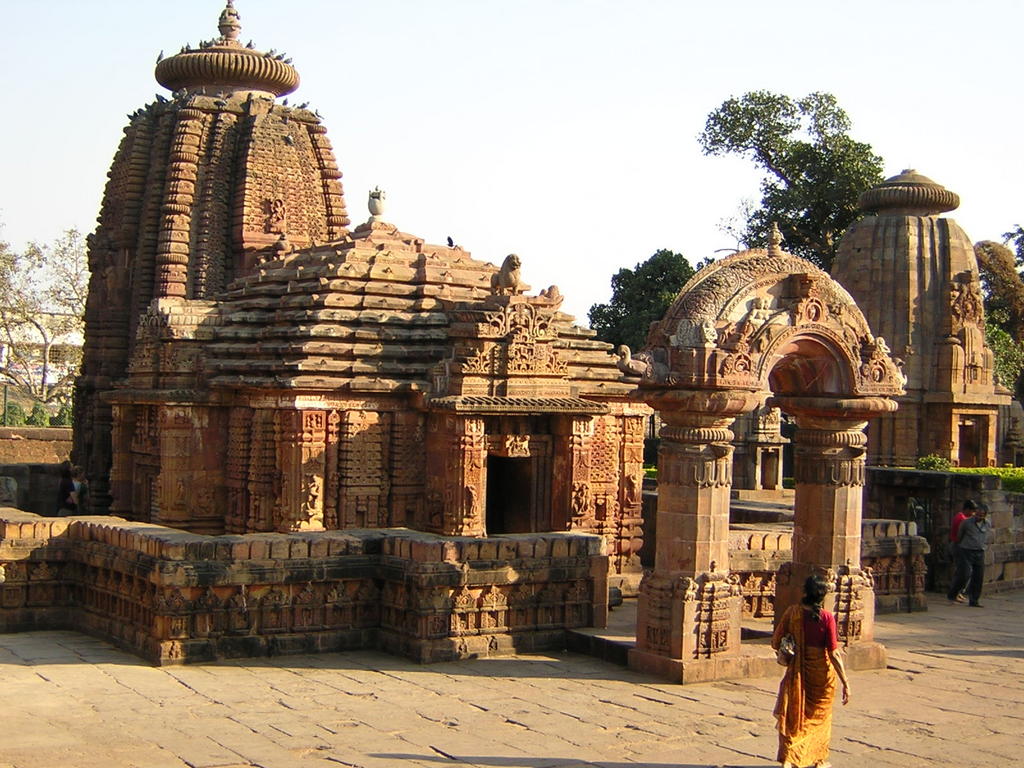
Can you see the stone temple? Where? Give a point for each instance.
(915, 276)
(255, 365)
(304, 435)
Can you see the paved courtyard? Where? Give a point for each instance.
(953, 695)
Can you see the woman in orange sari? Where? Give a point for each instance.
(803, 710)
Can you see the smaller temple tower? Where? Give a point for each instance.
(915, 276)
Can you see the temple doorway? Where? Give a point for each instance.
(510, 495)
(969, 453)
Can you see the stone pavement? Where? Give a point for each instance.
(953, 695)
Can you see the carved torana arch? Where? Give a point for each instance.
(759, 326)
(736, 319)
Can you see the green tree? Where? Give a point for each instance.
(1015, 238)
(42, 305)
(814, 171)
(640, 296)
(1004, 306)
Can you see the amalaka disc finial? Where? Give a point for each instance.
(774, 240)
(230, 22)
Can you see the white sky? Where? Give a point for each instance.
(563, 130)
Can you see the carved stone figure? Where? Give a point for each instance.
(506, 281)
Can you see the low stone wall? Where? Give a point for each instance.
(895, 554)
(174, 597)
(931, 499)
(35, 487)
(34, 445)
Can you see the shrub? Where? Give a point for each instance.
(15, 415)
(934, 463)
(39, 417)
(63, 417)
(1012, 477)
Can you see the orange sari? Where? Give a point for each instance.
(803, 710)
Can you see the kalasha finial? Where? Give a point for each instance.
(376, 204)
(774, 241)
(230, 22)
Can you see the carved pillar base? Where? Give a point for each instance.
(688, 630)
(853, 603)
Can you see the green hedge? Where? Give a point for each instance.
(1012, 477)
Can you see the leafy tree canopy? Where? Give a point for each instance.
(42, 305)
(814, 171)
(640, 296)
(1004, 305)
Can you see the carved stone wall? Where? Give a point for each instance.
(173, 597)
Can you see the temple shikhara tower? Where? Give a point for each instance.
(203, 185)
(253, 365)
(915, 276)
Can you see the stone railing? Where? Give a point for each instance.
(890, 548)
(895, 554)
(178, 597)
(757, 552)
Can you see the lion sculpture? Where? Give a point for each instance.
(506, 281)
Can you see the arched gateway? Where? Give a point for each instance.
(760, 326)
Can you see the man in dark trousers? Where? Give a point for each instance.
(972, 541)
(954, 529)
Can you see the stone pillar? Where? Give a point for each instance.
(570, 491)
(121, 474)
(688, 616)
(829, 459)
(456, 475)
(466, 503)
(625, 553)
(187, 488)
(300, 454)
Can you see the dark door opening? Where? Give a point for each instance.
(970, 449)
(509, 495)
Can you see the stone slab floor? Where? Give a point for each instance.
(953, 696)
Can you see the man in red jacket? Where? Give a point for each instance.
(967, 511)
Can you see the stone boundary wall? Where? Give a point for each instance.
(37, 486)
(930, 499)
(174, 597)
(34, 445)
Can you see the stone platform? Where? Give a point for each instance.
(953, 695)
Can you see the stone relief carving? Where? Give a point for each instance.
(275, 222)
